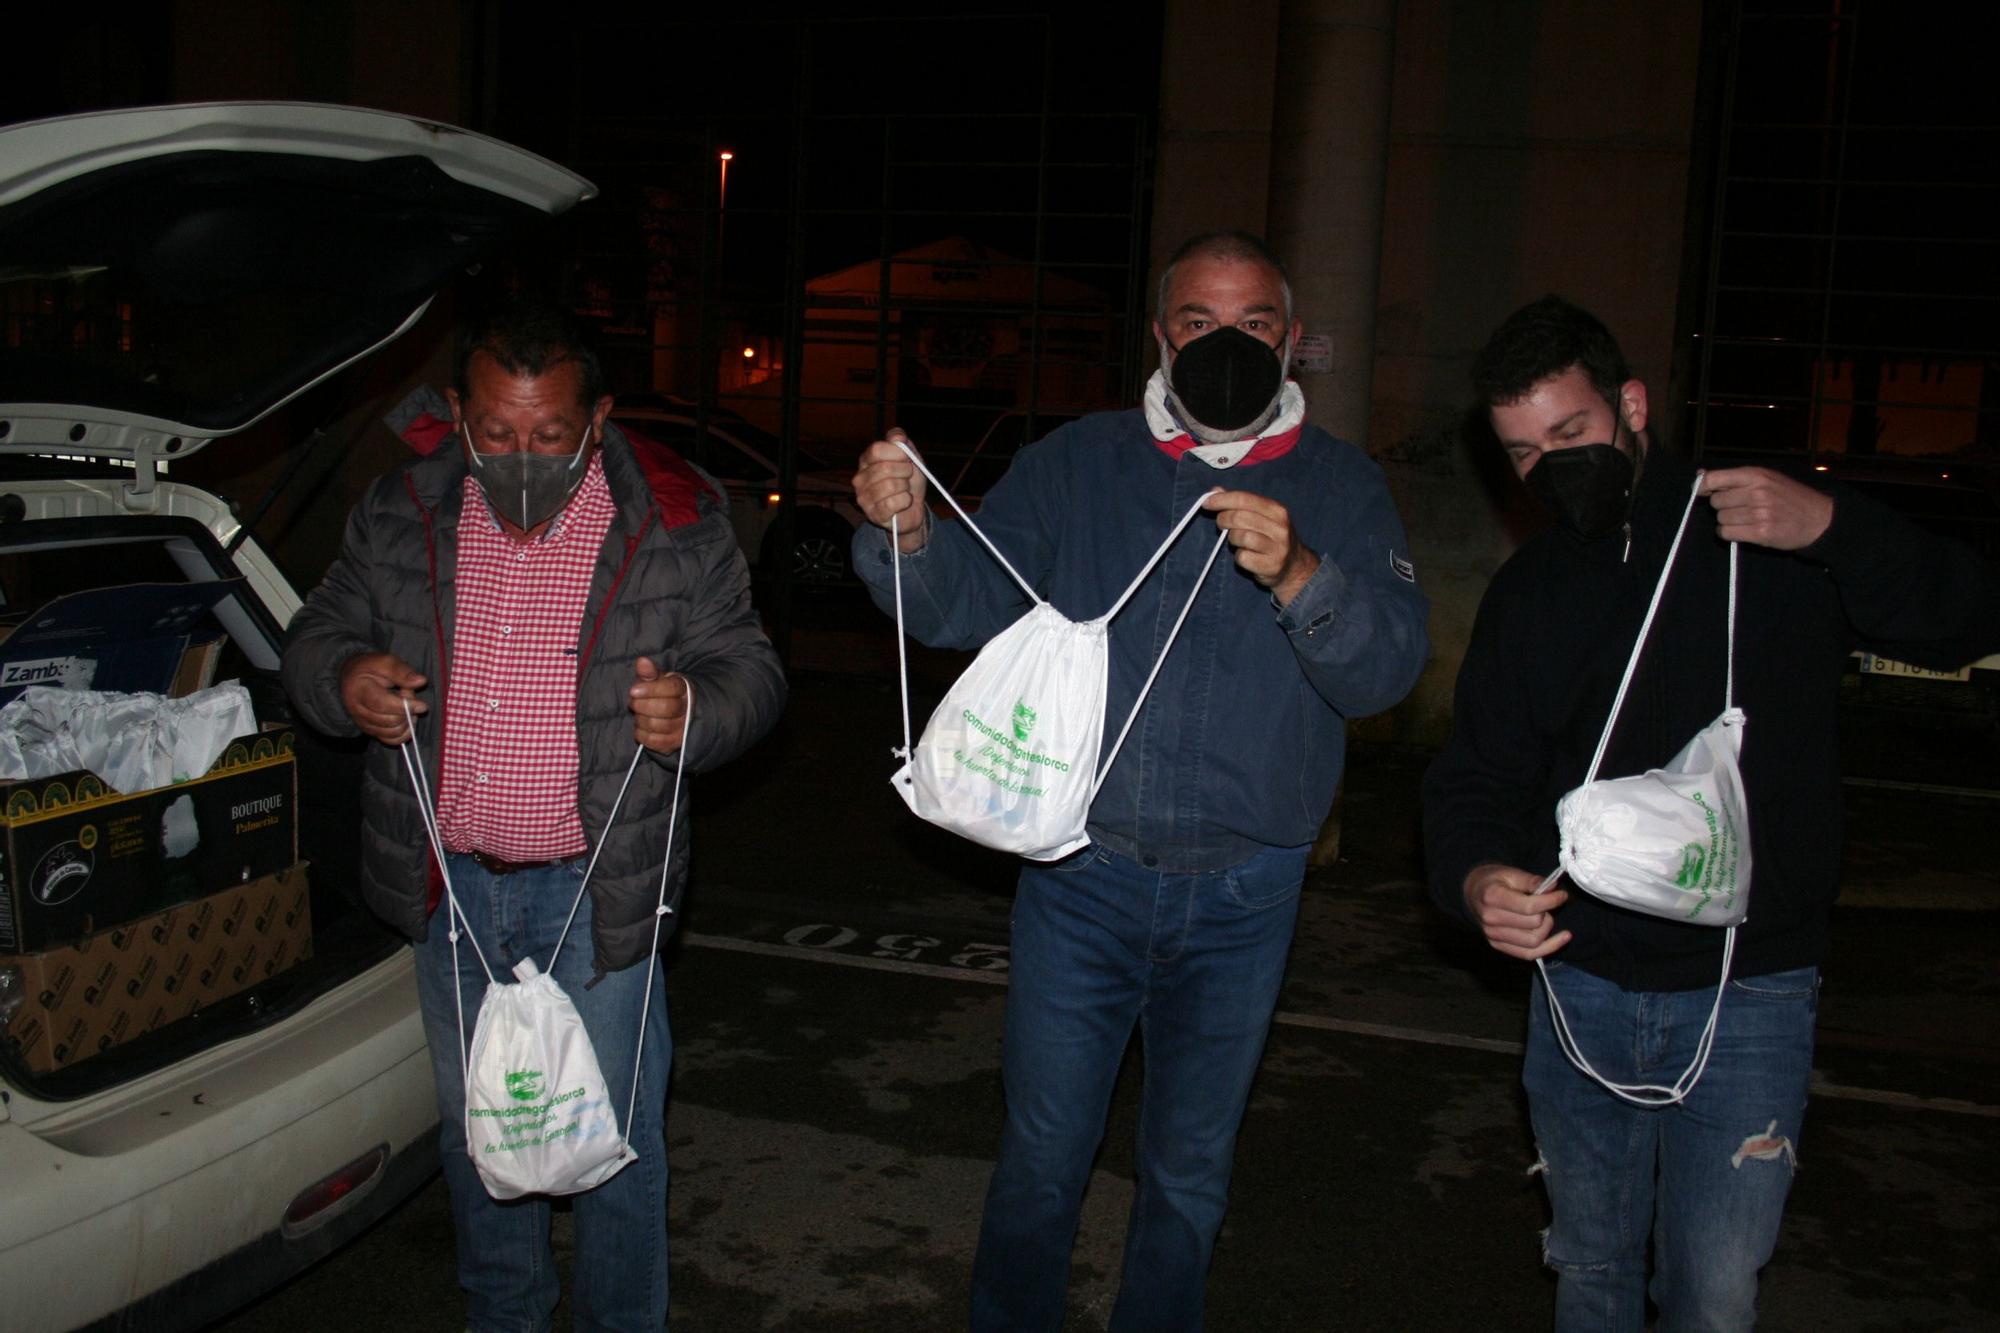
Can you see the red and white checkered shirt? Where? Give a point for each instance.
(509, 771)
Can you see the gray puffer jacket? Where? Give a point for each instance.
(670, 584)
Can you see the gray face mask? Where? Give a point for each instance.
(528, 489)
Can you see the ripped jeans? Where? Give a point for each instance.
(1706, 1179)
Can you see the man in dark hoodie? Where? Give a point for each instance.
(1822, 572)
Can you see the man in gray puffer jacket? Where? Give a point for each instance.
(583, 594)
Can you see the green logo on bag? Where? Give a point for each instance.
(1024, 719)
(524, 1085)
(1693, 857)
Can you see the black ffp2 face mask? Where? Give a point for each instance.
(1226, 379)
(1587, 487)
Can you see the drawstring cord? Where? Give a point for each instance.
(1653, 1094)
(413, 763)
(908, 753)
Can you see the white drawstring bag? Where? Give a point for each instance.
(1673, 842)
(538, 1117)
(1009, 758)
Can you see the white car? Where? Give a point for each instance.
(744, 460)
(168, 276)
(1009, 433)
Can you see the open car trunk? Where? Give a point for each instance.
(61, 538)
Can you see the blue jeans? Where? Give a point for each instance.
(1101, 944)
(505, 1263)
(1706, 1178)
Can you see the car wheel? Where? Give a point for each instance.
(818, 553)
(819, 559)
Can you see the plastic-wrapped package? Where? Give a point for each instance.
(132, 742)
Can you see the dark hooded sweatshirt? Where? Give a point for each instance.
(1548, 647)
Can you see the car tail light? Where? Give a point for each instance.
(320, 1203)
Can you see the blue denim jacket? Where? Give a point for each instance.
(1242, 738)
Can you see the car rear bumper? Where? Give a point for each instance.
(273, 1258)
(119, 1198)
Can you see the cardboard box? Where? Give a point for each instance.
(196, 671)
(127, 638)
(111, 987)
(75, 859)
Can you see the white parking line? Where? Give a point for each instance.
(1391, 1033)
(997, 978)
(1949, 1105)
(1924, 788)
(1387, 1032)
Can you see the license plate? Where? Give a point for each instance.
(1889, 666)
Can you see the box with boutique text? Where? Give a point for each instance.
(76, 859)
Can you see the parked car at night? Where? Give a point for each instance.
(1009, 433)
(172, 275)
(745, 460)
(1907, 723)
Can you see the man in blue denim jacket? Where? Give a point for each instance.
(1179, 914)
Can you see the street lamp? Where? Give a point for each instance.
(722, 199)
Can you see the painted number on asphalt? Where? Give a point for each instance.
(908, 948)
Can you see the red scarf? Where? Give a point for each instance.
(1268, 446)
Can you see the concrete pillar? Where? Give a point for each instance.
(1218, 65)
(1329, 160)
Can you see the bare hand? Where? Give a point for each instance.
(373, 687)
(1266, 547)
(1515, 919)
(659, 707)
(1766, 508)
(888, 485)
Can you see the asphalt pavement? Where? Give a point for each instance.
(836, 999)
